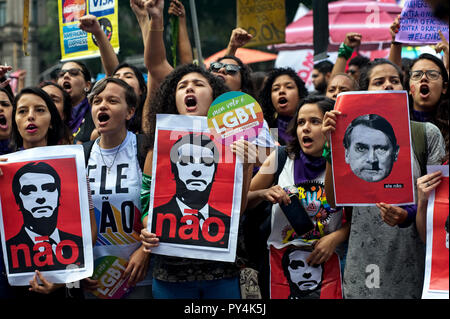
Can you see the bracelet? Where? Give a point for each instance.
(327, 152)
(395, 42)
(345, 51)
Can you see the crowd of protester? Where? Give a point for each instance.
(116, 118)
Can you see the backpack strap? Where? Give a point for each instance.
(140, 146)
(281, 160)
(87, 147)
(419, 144)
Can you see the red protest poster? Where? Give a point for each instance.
(194, 208)
(371, 149)
(44, 219)
(292, 278)
(436, 283)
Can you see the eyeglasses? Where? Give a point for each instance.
(431, 75)
(72, 72)
(231, 69)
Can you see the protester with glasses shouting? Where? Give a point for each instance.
(75, 78)
(427, 83)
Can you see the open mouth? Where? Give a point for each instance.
(282, 101)
(424, 90)
(31, 128)
(307, 141)
(3, 122)
(67, 86)
(191, 102)
(103, 118)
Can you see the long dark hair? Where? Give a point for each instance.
(325, 104)
(56, 128)
(265, 96)
(164, 101)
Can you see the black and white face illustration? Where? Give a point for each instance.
(304, 276)
(194, 161)
(39, 194)
(195, 167)
(370, 147)
(37, 187)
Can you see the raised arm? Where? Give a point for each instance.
(154, 49)
(443, 47)
(395, 54)
(239, 37)
(352, 41)
(89, 23)
(177, 9)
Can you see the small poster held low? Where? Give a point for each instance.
(436, 284)
(44, 215)
(371, 149)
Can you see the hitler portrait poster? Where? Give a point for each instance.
(371, 149)
(44, 215)
(436, 280)
(195, 195)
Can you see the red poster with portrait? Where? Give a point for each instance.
(371, 149)
(436, 282)
(44, 211)
(292, 278)
(196, 191)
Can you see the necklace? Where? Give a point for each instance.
(108, 168)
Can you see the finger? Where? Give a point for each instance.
(443, 39)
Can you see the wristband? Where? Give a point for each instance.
(327, 153)
(345, 51)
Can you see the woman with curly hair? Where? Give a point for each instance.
(189, 90)
(282, 92)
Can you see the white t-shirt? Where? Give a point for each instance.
(115, 181)
(313, 199)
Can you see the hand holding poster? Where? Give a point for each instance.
(418, 25)
(42, 226)
(78, 44)
(195, 193)
(371, 149)
(436, 284)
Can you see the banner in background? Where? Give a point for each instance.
(436, 284)
(77, 44)
(264, 19)
(418, 25)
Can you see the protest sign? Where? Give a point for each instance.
(235, 115)
(291, 277)
(44, 215)
(264, 19)
(436, 282)
(371, 149)
(78, 44)
(418, 25)
(195, 196)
